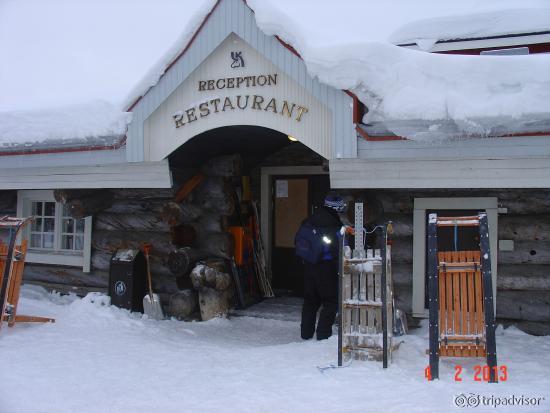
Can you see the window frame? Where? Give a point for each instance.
(421, 205)
(57, 255)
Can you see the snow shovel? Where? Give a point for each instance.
(151, 302)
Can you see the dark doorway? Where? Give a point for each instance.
(294, 199)
(258, 147)
(253, 143)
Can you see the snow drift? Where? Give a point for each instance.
(99, 358)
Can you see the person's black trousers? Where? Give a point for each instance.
(320, 289)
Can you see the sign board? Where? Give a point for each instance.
(236, 85)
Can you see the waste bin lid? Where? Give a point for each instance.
(125, 255)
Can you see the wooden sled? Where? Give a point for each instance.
(462, 322)
(13, 285)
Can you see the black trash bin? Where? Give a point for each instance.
(127, 279)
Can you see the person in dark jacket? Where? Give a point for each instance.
(321, 278)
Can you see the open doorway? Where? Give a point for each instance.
(294, 198)
(296, 192)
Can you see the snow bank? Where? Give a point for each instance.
(93, 123)
(426, 32)
(98, 358)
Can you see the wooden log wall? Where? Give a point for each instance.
(523, 282)
(129, 218)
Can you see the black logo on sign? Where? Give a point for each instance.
(120, 288)
(238, 60)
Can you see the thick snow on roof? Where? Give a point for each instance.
(67, 59)
(65, 53)
(95, 123)
(493, 23)
(402, 84)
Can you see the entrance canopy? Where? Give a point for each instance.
(237, 86)
(233, 74)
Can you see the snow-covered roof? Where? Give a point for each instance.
(59, 59)
(92, 124)
(73, 63)
(426, 32)
(448, 129)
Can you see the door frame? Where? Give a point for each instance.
(266, 200)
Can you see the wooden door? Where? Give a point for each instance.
(294, 199)
(291, 206)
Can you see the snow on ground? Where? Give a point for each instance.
(98, 358)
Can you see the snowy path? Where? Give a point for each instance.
(102, 359)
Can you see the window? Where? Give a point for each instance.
(72, 231)
(421, 207)
(43, 228)
(54, 236)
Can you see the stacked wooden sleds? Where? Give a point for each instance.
(462, 322)
(12, 261)
(366, 308)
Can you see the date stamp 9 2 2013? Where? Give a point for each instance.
(480, 373)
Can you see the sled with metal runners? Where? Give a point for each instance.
(12, 262)
(460, 291)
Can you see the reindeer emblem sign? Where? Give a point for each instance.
(238, 60)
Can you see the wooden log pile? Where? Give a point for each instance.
(183, 304)
(198, 230)
(215, 289)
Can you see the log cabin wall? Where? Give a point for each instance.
(523, 281)
(134, 217)
(128, 218)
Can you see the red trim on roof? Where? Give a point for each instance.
(367, 137)
(357, 120)
(519, 135)
(117, 145)
(285, 44)
(288, 46)
(533, 49)
(355, 109)
(181, 53)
